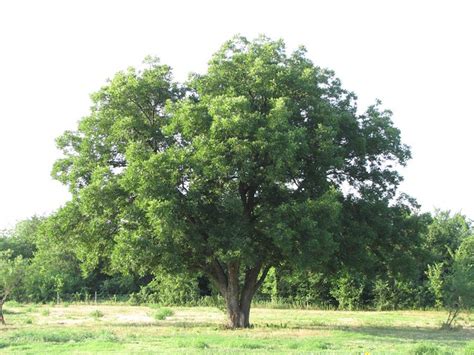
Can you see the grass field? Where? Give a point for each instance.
(131, 329)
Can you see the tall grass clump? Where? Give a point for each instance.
(96, 314)
(163, 313)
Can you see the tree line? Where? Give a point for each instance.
(429, 270)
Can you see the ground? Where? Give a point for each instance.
(109, 328)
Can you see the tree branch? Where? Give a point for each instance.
(262, 277)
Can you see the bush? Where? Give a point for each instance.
(96, 314)
(168, 290)
(436, 282)
(162, 313)
(460, 293)
(383, 295)
(301, 288)
(347, 290)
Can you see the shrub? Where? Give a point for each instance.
(45, 312)
(96, 314)
(436, 282)
(162, 313)
(347, 290)
(168, 290)
(426, 349)
(383, 295)
(460, 294)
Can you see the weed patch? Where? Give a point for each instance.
(163, 313)
(57, 336)
(201, 344)
(96, 314)
(426, 349)
(45, 312)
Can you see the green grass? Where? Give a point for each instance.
(128, 329)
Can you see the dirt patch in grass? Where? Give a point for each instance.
(197, 316)
(141, 317)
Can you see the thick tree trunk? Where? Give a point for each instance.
(232, 296)
(237, 318)
(238, 297)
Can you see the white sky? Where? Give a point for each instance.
(417, 56)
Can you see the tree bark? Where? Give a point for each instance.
(231, 296)
(238, 297)
(2, 319)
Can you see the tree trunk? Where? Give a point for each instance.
(232, 296)
(2, 319)
(238, 297)
(236, 317)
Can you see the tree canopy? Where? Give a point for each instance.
(264, 159)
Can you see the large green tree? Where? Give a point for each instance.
(245, 167)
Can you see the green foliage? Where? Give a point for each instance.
(168, 289)
(56, 268)
(12, 272)
(436, 279)
(303, 288)
(383, 295)
(390, 293)
(242, 168)
(460, 293)
(462, 280)
(269, 288)
(347, 290)
(22, 239)
(445, 234)
(53, 271)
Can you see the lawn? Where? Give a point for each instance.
(79, 328)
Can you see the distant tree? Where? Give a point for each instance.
(21, 240)
(246, 167)
(445, 234)
(12, 271)
(54, 264)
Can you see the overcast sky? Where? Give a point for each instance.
(416, 56)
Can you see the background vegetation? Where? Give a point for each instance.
(434, 271)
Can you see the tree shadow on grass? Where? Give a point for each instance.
(390, 333)
(10, 311)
